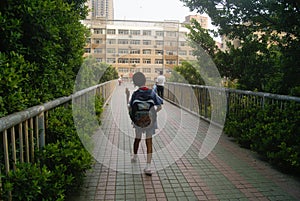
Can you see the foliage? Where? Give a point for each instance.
(272, 131)
(186, 73)
(14, 81)
(41, 48)
(269, 34)
(28, 182)
(92, 73)
(200, 37)
(60, 166)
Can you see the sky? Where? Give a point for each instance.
(150, 10)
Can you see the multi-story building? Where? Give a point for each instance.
(100, 9)
(132, 46)
(203, 20)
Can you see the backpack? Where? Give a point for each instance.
(142, 110)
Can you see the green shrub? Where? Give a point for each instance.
(272, 131)
(277, 136)
(68, 161)
(61, 164)
(240, 123)
(29, 182)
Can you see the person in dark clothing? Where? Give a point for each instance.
(139, 80)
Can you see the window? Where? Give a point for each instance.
(159, 33)
(123, 51)
(87, 50)
(135, 32)
(111, 41)
(123, 32)
(170, 61)
(171, 33)
(168, 52)
(146, 51)
(171, 43)
(123, 60)
(98, 31)
(182, 43)
(135, 51)
(158, 61)
(111, 50)
(182, 52)
(146, 61)
(98, 50)
(191, 52)
(111, 31)
(111, 60)
(99, 60)
(135, 42)
(146, 70)
(159, 42)
(123, 70)
(159, 52)
(123, 41)
(134, 60)
(147, 32)
(98, 40)
(146, 42)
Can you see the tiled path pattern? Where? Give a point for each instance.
(228, 173)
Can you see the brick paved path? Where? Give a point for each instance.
(228, 173)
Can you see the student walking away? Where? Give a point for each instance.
(120, 81)
(143, 107)
(161, 84)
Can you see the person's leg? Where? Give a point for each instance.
(159, 90)
(149, 149)
(136, 143)
(162, 92)
(148, 140)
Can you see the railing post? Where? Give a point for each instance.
(206, 103)
(41, 127)
(6, 156)
(228, 101)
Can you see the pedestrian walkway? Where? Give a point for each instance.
(227, 173)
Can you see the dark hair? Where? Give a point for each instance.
(161, 72)
(139, 79)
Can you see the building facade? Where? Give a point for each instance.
(138, 46)
(100, 9)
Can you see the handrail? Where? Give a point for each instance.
(15, 118)
(28, 127)
(201, 100)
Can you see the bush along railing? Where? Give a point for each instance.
(266, 123)
(41, 155)
(209, 103)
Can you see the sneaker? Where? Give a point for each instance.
(148, 172)
(134, 159)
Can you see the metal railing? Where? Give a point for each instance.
(24, 132)
(212, 103)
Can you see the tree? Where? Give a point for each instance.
(269, 32)
(92, 73)
(186, 73)
(41, 48)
